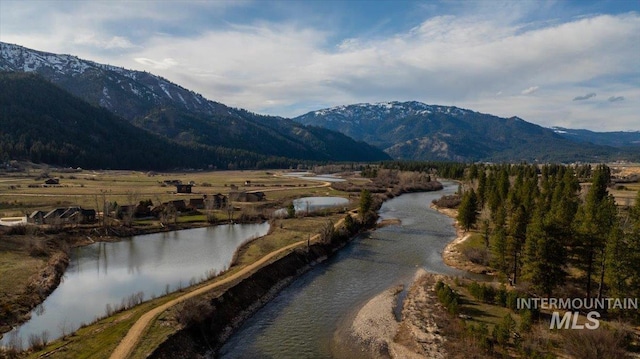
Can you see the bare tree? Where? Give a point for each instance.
(129, 213)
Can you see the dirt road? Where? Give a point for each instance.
(129, 342)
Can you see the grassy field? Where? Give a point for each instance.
(17, 266)
(23, 192)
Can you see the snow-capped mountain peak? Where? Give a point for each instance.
(108, 86)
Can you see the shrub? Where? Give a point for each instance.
(451, 201)
(594, 344)
(193, 311)
(477, 255)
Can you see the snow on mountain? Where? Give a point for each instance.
(105, 85)
(381, 111)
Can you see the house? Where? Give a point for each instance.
(216, 201)
(53, 216)
(246, 196)
(255, 196)
(183, 188)
(36, 217)
(76, 215)
(52, 181)
(219, 200)
(196, 203)
(177, 205)
(88, 215)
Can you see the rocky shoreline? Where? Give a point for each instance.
(376, 331)
(378, 334)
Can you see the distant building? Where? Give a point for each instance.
(183, 188)
(196, 203)
(246, 196)
(52, 181)
(69, 215)
(36, 217)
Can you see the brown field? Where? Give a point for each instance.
(88, 188)
(625, 193)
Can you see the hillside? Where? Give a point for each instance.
(417, 131)
(171, 111)
(614, 139)
(42, 123)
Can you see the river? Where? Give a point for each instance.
(104, 274)
(302, 320)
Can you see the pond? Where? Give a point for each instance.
(105, 274)
(311, 204)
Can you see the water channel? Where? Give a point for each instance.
(104, 274)
(302, 320)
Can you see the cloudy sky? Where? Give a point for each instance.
(566, 63)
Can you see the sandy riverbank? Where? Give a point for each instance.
(452, 254)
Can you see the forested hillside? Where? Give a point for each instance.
(42, 123)
(168, 110)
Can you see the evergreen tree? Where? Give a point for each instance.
(499, 250)
(594, 221)
(482, 188)
(366, 201)
(517, 237)
(468, 210)
(545, 257)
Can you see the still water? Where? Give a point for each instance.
(104, 274)
(311, 204)
(302, 320)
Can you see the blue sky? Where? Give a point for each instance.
(566, 63)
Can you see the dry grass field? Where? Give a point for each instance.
(23, 192)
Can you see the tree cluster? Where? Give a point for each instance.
(539, 224)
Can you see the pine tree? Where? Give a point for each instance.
(468, 210)
(500, 257)
(482, 188)
(517, 236)
(366, 201)
(595, 219)
(545, 257)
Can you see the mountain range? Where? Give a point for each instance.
(614, 139)
(417, 131)
(184, 117)
(142, 120)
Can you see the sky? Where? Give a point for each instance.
(567, 63)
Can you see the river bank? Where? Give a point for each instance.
(453, 255)
(375, 331)
(233, 306)
(48, 253)
(378, 333)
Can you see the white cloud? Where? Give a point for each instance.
(480, 61)
(157, 65)
(115, 42)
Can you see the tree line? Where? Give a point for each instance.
(540, 224)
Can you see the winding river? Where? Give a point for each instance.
(302, 320)
(104, 274)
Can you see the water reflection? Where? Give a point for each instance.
(104, 274)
